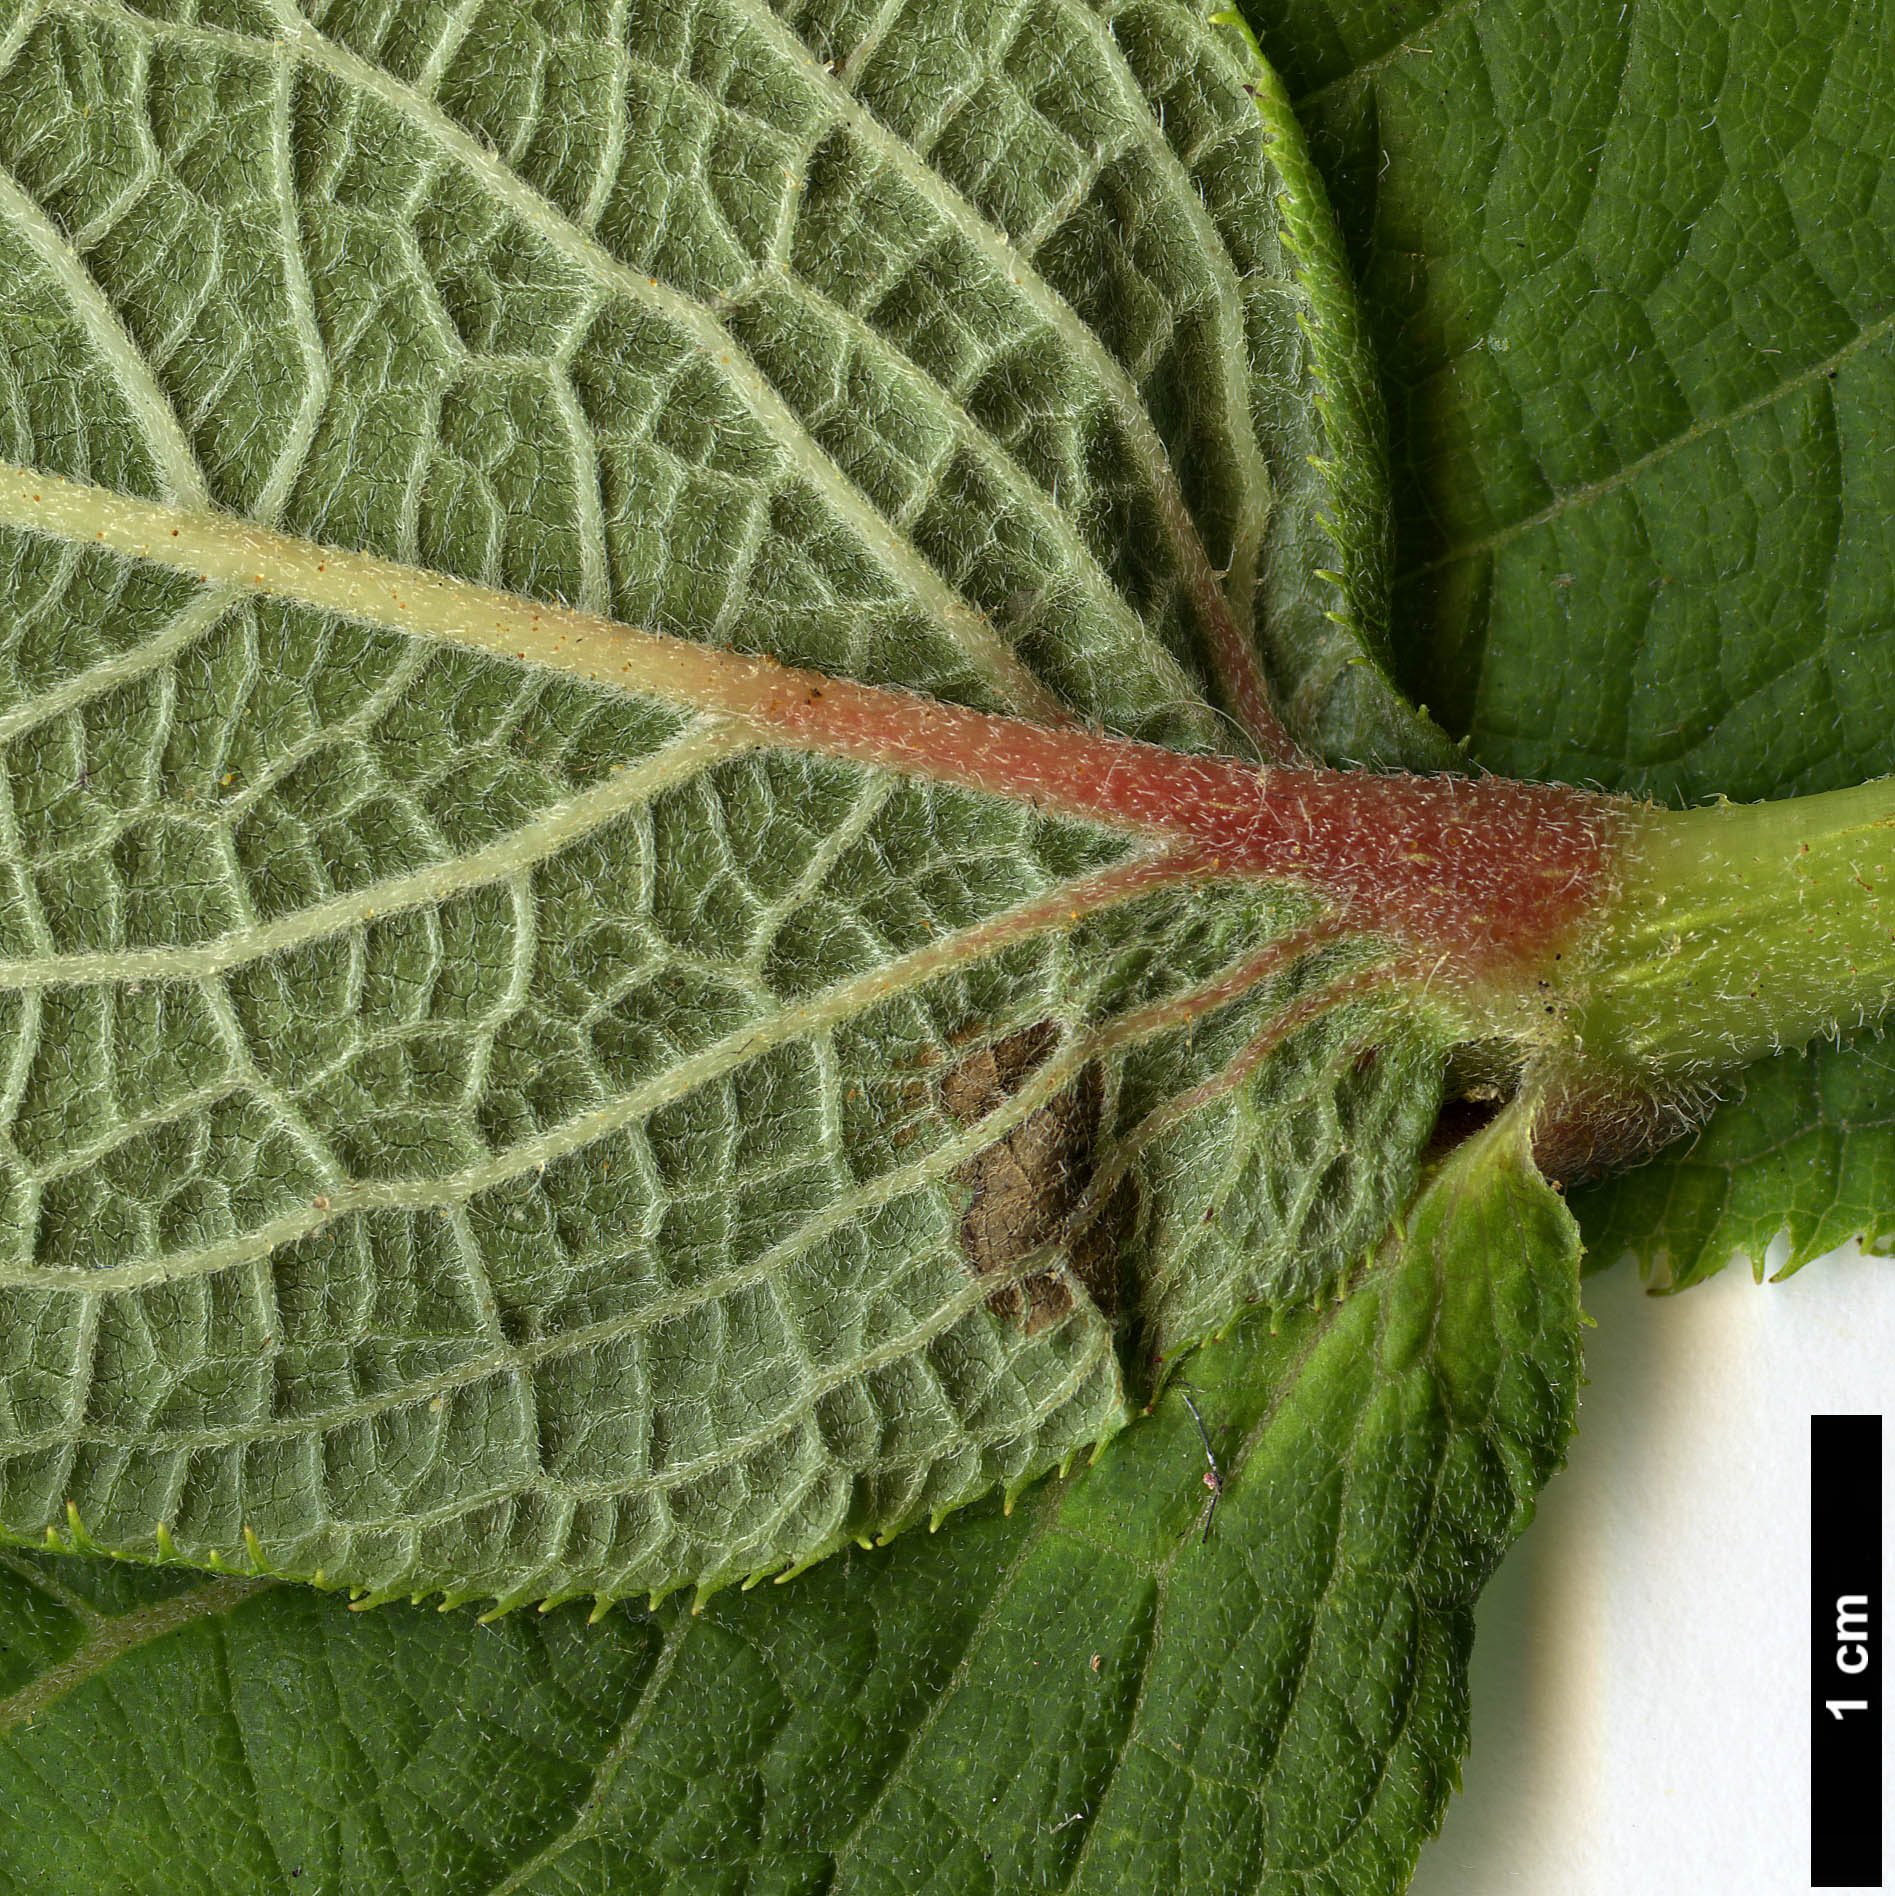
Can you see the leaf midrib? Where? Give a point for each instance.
(877, 725)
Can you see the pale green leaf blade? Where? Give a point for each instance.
(469, 1130)
(1088, 1695)
(1328, 542)
(1630, 283)
(940, 353)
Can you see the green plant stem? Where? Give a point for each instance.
(1741, 929)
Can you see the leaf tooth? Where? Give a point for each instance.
(602, 1604)
(81, 1542)
(254, 1548)
(506, 1603)
(457, 1596)
(168, 1548)
(807, 1561)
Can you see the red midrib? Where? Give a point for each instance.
(1487, 872)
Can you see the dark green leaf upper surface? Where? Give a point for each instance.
(1630, 282)
(1807, 1155)
(1087, 1695)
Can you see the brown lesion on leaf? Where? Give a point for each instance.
(1026, 1186)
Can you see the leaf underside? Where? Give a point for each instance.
(465, 1130)
(1084, 1695)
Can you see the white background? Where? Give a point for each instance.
(1641, 1667)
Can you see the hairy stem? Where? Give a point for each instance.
(1627, 955)
(1487, 879)
(1740, 929)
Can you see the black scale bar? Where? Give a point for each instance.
(1845, 1652)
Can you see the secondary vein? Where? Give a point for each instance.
(113, 1638)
